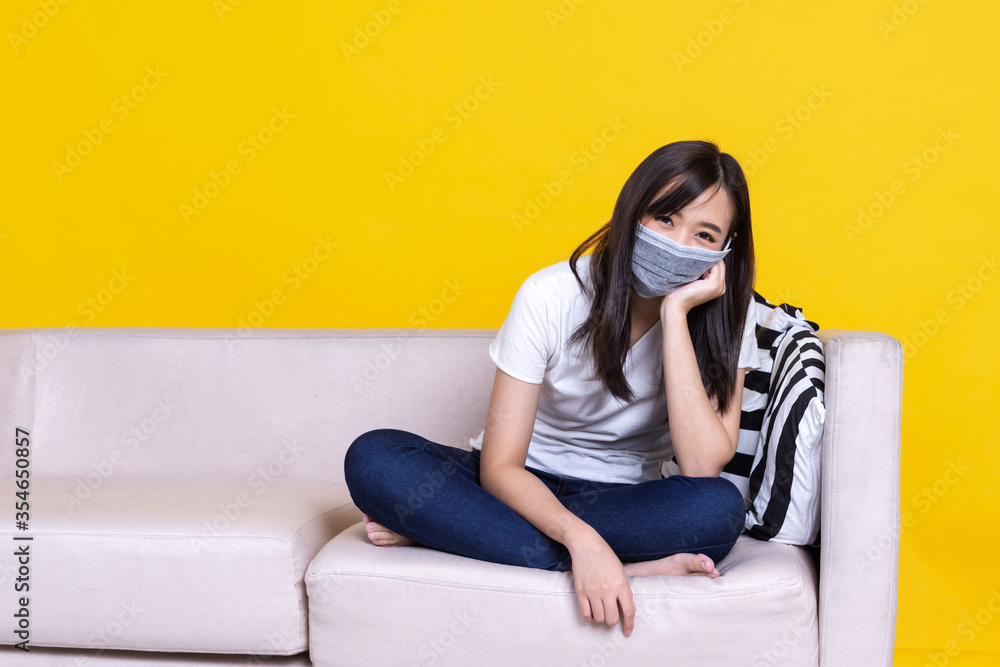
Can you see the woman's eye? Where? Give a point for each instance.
(666, 218)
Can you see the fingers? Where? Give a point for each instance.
(606, 610)
(592, 610)
(597, 608)
(628, 612)
(584, 606)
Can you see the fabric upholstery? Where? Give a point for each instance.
(448, 609)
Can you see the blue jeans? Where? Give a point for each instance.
(431, 494)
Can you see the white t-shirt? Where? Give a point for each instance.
(580, 429)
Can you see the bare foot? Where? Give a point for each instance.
(682, 563)
(383, 537)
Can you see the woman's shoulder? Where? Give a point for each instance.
(559, 276)
(555, 293)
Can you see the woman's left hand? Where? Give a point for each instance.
(710, 286)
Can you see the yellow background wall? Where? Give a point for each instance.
(387, 163)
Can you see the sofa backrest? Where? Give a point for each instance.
(193, 402)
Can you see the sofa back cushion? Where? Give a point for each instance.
(196, 402)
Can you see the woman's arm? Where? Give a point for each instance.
(509, 423)
(704, 439)
(598, 573)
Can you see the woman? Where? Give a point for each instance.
(594, 354)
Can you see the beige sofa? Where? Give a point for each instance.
(186, 505)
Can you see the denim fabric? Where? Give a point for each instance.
(431, 494)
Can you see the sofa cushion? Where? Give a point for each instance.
(446, 609)
(785, 482)
(777, 461)
(44, 656)
(197, 565)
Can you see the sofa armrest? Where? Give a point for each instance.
(859, 525)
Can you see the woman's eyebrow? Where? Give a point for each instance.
(704, 223)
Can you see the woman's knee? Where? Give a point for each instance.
(367, 450)
(728, 503)
(732, 506)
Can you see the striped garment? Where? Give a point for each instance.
(776, 465)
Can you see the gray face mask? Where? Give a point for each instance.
(661, 265)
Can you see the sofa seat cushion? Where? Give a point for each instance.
(44, 656)
(449, 610)
(156, 564)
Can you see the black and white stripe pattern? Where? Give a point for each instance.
(776, 465)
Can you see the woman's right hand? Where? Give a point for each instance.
(601, 582)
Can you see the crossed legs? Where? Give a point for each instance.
(416, 492)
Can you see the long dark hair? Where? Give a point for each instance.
(716, 326)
